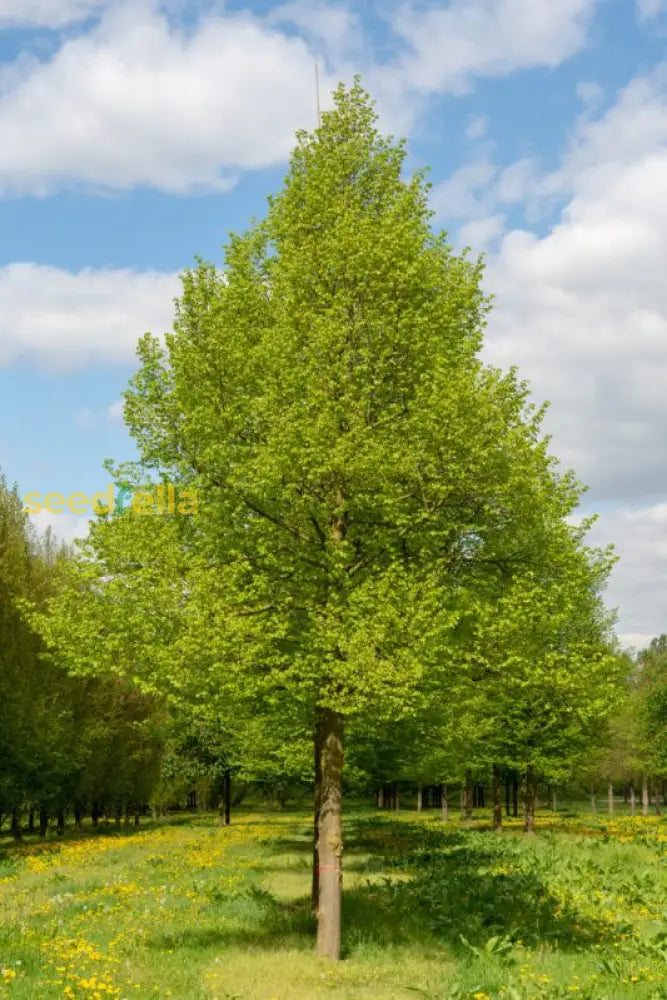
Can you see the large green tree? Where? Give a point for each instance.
(362, 476)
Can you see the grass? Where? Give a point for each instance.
(190, 910)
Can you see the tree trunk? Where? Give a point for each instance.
(515, 797)
(330, 835)
(380, 797)
(467, 798)
(554, 800)
(127, 816)
(43, 822)
(610, 798)
(497, 803)
(60, 822)
(228, 797)
(16, 828)
(529, 802)
(317, 799)
(95, 815)
(444, 804)
(31, 820)
(656, 798)
(420, 800)
(118, 817)
(645, 802)
(594, 801)
(633, 799)
(78, 821)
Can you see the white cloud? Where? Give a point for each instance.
(590, 93)
(115, 411)
(66, 527)
(65, 321)
(477, 127)
(451, 44)
(138, 102)
(648, 10)
(466, 194)
(336, 28)
(46, 13)
(638, 584)
(582, 310)
(480, 234)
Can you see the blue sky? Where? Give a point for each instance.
(138, 134)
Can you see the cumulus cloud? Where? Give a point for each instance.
(46, 13)
(582, 310)
(137, 101)
(66, 527)
(64, 321)
(451, 44)
(638, 584)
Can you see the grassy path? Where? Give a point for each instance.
(194, 911)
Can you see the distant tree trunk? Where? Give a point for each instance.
(467, 798)
(127, 816)
(78, 820)
(380, 798)
(317, 798)
(594, 801)
(397, 801)
(554, 800)
(95, 814)
(529, 802)
(43, 822)
(515, 796)
(497, 803)
(330, 835)
(419, 798)
(645, 799)
(31, 820)
(136, 818)
(656, 798)
(633, 799)
(60, 822)
(610, 798)
(118, 816)
(228, 796)
(444, 804)
(16, 828)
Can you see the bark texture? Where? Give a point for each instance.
(330, 836)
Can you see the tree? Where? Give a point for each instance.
(361, 474)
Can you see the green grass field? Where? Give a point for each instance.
(189, 909)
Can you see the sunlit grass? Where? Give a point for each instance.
(196, 911)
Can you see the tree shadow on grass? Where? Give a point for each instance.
(439, 888)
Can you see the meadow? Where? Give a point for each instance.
(188, 909)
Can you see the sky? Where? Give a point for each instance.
(136, 135)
